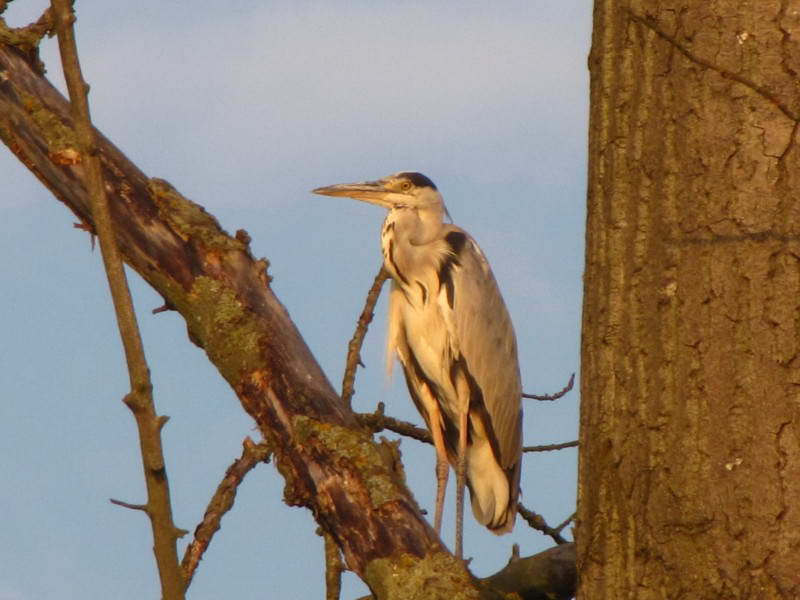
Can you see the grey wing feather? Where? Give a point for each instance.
(486, 340)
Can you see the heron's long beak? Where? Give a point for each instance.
(369, 191)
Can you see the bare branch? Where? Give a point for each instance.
(140, 398)
(377, 422)
(221, 502)
(549, 447)
(354, 347)
(537, 521)
(566, 522)
(557, 395)
(142, 507)
(334, 566)
(163, 308)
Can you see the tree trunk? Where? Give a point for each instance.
(690, 451)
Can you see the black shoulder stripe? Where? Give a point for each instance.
(477, 403)
(456, 240)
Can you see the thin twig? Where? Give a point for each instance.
(142, 507)
(514, 554)
(377, 422)
(557, 395)
(354, 347)
(163, 308)
(221, 502)
(549, 447)
(140, 398)
(566, 522)
(334, 566)
(537, 521)
(27, 38)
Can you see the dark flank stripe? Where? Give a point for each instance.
(477, 405)
(390, 257)
(414, 379)
(456, 240)
(414, 373)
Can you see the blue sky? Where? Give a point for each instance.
(245, 109)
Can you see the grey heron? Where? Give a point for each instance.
(451, 330)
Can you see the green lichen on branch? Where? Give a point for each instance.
(27, 38)
(376, 463)
(19, 37)
(189, 219)
(407, 577)
(59, 136)
(216, 315)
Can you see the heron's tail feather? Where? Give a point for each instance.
(493, 490)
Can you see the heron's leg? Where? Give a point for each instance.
(461, 468)
(442, 471)
(442, 466)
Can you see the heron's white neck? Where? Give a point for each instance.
(415, 225)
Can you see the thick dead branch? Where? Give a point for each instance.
(549, 575)
(140, 398)
(329, 462)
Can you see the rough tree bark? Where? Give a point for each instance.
(690, 450)
(354, 486)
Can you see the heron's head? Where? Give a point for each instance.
(405, 189)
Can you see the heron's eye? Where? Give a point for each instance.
(405, 186)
